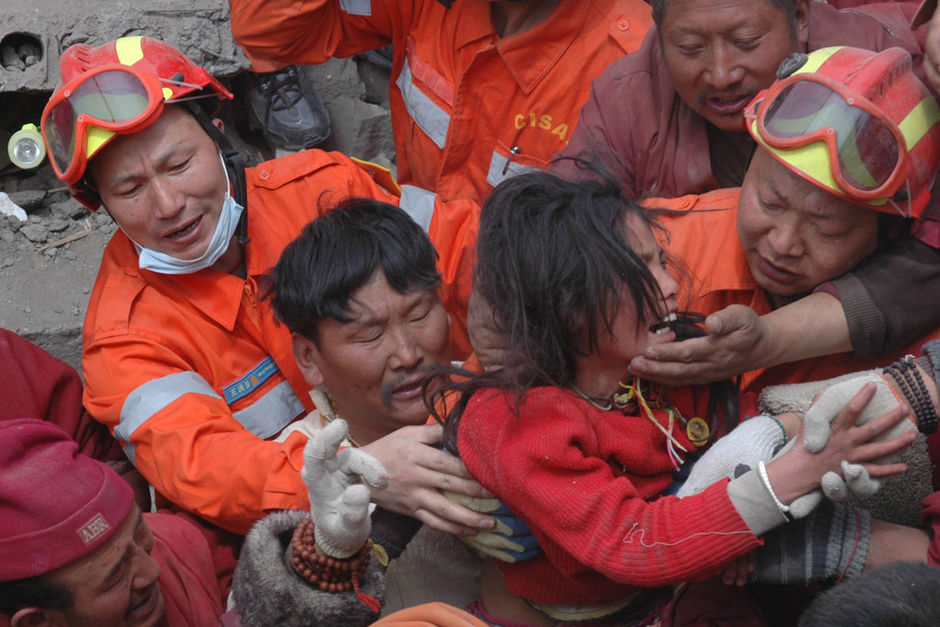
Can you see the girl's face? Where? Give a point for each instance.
(600, 371)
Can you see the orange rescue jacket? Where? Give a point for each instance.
(192, 373)
(468, 108)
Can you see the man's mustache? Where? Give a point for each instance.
(389, 388)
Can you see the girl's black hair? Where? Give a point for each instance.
(555, 265)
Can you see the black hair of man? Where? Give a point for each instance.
(33, 592)
(338, 253)
(787, 6)
(899, 593)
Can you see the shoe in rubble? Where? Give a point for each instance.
(288, 109)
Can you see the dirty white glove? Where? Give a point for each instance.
(853, 481)
(816, 431)
(834, 398)
(339, 501)
(816, 420)
(754, 440)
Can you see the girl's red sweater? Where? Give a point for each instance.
(588, 482)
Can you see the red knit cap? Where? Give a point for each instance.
(56, 505)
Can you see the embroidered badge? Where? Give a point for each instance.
(252, 379)
(93, 529)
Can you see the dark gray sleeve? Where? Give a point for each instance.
(392, 531)
(892, 297)
(268, 593)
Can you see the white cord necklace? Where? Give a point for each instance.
(327, 407)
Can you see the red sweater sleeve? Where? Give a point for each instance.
(550, 464)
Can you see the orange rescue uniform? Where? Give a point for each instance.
(192, 373)
(702, 235)
(468, 109)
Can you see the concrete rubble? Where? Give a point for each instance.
(48, 262)
(34, 33)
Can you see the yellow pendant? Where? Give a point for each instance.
(697, 431)
(622, 399)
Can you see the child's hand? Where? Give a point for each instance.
(817, 420)
(737, 572)
(799, 471)
(871, 444)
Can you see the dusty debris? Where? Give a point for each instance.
(33, 34)
(68, 238)
(28, 199)
(36, 233)
(8, 207)
(20, 57)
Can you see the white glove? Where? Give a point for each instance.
(339, 501)
(854, 481)
(824, 410)
(816, 421)
(834, 398)
(752, 441)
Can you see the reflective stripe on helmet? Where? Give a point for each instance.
(129, 50)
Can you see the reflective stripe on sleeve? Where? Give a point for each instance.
(130, 454)
(419, 204)
(272, 412)
(156, 394)
(499, 171)
(356, 7)
(429, 117)
(265, 417)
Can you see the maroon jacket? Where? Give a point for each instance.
(196, 561)
(931, 515)
(40, 386)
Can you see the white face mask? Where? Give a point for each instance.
(163, 263)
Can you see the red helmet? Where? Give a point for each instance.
(857, 123)
(113, 89)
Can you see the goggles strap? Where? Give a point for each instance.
(231, 158)
(183, 83)
(235, 167)
(909, 212)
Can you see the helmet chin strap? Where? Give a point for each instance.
(234, 166)
(906, 196)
